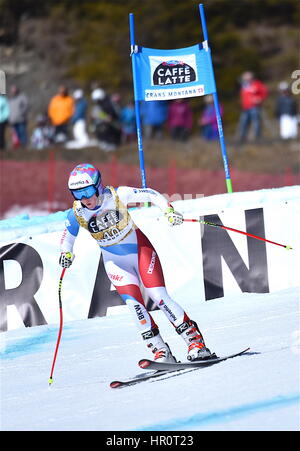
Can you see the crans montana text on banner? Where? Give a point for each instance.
(173, 74)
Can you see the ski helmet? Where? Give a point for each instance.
(85, 181)
(98, 94)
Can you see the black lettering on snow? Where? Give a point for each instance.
(252, 276)
(103, 297)
(23, 295)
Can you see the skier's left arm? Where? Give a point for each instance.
(135, 195)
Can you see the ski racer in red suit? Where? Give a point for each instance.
(128, 255)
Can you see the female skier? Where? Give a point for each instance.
(128, 255)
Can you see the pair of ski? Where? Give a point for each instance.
(158, 369)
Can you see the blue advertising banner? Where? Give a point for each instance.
(170, 75)
(173, 74)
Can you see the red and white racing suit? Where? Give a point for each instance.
(129, 257)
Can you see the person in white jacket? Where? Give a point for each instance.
(128, 255)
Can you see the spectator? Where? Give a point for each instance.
(60, 111)
(18, 109)
(180, 119)
(105, 121)
(208, 120)
(154, 115)
(128, 124)
(252, 95)
(116, 103)
(78, 119)
(4, 115)
(42, 134)
(286, 112)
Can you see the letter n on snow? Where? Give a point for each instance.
(251, 276)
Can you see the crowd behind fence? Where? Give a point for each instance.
(78, 120)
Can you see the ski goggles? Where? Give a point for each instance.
(86, 193)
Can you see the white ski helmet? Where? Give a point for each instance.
(78, 94)
(98, 94)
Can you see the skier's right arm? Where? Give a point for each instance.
(67, 241)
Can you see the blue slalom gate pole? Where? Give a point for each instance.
(217, 108)
(136, 103)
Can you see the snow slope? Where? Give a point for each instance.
(257, 391)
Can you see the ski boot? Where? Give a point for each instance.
(197, 350)
(158, 347)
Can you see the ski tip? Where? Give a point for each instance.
(115, 384)
(144, 363)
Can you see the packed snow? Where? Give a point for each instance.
(257, 391)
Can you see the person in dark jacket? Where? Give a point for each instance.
(4, 115)
(286, 112)
(105, 120)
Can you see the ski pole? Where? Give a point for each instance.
(236, 230)
(60, 325)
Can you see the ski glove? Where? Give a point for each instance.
(66, 259)
(173, 217)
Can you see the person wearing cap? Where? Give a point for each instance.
(42, 134)
(105, 120)
(286, 112)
